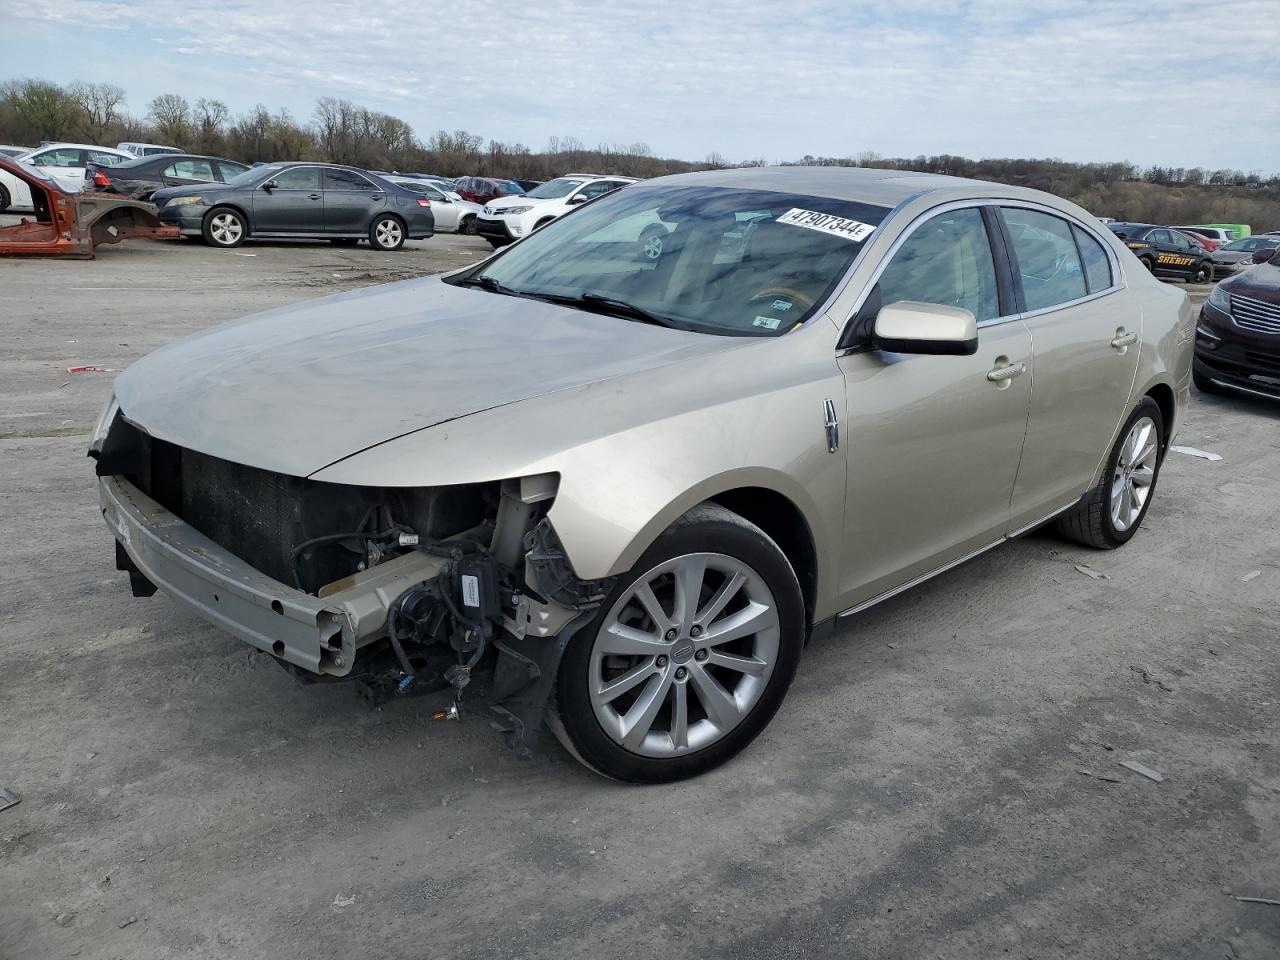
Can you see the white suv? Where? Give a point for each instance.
(505, 219)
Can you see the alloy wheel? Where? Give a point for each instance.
(653, 248)
(684, 655)
(226, 229)
(1135, 472)
(388, 233)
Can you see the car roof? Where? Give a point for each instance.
(79, 146)
(857, 184)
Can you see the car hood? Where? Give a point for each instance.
(498, 204)
(300, 388)
(1260, 283)
(1230, 256)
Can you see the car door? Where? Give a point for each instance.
(64, 164)
(350, 201)
(1184, 256)
(1086, 356)
(291, 202)
(932, 442)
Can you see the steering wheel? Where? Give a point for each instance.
(791, 292)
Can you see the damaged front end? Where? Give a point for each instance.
(404, 590)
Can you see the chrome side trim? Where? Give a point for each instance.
(1045, 519)
(919, 580)
(1255, 393)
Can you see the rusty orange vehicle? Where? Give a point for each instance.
(73, 224)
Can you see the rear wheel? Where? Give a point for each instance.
(4, 199)
(1149, 264)
(1112, 512)
(386, 233)
(224, 227)
(690, 655)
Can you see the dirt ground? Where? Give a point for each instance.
(943, 781)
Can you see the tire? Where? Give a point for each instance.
(737, 568)
(344, 241)
(1105, 519)
(225, 227)
(1149, 264)
(4, 199)
(387, 232)
(1204, 384)
(468, 226)
(1203, 273)
(542, 223)
(652, 240)
(496, 243)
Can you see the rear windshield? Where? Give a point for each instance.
(707, 259)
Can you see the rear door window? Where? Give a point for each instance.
(346, 180)
(201, 170)
(62, 157)
(1097, 265)
(1047, 260)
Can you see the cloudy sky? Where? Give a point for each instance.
(1156, 81)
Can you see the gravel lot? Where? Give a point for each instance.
(932, 788)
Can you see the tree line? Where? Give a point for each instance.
(340, 131)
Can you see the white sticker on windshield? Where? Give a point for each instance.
(827, 223)
(769, 323)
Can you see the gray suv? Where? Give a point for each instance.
(303, 200)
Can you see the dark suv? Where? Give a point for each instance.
(303, 200)
(1238, 336)
(1165, 252)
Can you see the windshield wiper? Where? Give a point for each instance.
(492, 285)
(614, 307)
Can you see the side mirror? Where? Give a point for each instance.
(931, 328)
(1263, 254)
(576, 199)
(269, 186)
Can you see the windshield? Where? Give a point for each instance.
(709, 259)
(553, 189)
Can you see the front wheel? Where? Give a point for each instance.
(1113, 510)
(690, 655)
(4, 199)
(224, 227)
(468, 227)
(386, 233)
(1203, 273)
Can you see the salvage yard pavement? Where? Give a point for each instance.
(919, 795)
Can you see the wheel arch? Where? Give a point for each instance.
(1163, 395)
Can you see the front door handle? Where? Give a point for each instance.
(1007, 372)
(1122, 339)
(313, 196)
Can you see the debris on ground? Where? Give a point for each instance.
(1193, 452)
(8, 798)
(1090, 572)
(1143, 769)
(1270, 903)
(342, 902)
(64, 918)
(1098, 776)
(1251, 575)
(1148, 678)
(90, 369)
(127, 922)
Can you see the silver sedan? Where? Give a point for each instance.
(452, 213)
(627, 483)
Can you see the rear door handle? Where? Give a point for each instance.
(375, 196)
(1007, 372)
(1122, 339)
(313, 196)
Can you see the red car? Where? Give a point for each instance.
(484, 189)
(1208, 243)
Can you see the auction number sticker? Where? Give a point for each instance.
(827, 223)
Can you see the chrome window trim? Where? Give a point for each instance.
(1118, 281)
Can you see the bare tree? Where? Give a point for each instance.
(100, 103)
(171, 116)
